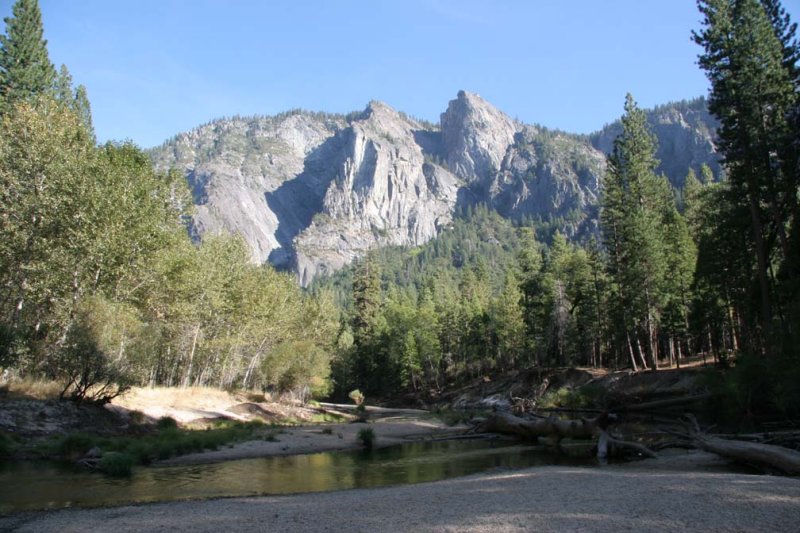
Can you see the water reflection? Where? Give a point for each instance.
(27, 486)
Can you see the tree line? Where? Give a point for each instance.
(712, 268)
(100, 286)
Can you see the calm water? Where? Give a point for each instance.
(29, 485)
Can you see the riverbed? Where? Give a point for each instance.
(45, 485)
(690, 491)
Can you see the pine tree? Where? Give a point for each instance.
(632, 216)
(83, 109)
(63, 85)
(367, 326)
(533, 293)
(691, 202)
(508, 324)
(77, 100)
(749, 57)
(25, 67)
(681, 256)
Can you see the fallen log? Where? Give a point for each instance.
(558, 428)
(777, 457)
(754, 453)
(506, 423)
(606, 444)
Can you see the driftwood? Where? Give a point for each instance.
(756, 453)
(559, 428)
(506, 423)
(777, 457)
(606, 443)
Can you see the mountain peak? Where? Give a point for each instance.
(311, 191)
(376, 107)
(476, 135)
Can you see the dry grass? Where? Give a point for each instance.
(32, 388)
(175, 397)
(182, 404)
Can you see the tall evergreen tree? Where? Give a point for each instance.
(691, 202)
(367, 326)
(25, 67)
(632, 217)
(681, 257)
(749, 57)
(77, 99)
(83, 109)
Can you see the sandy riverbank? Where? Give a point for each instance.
(323, 438)
(684, 492)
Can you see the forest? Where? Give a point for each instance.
(102, 288)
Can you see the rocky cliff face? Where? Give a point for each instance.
(311, 191)
(521, 171)
(384, 193)
(476, 137)
(686, 134)
(263, 178)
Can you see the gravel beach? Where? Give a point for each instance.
(681, 492)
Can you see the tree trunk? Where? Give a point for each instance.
(778, 457)
(558, 428)
(188, 377)
(761, 256)
(630, 350)
(509, 424)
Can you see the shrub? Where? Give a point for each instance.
(587, 396)
(140, 453)
(366, 436)
(75, 445)
(5, 445)
(166, 422)
(137, 417)
(82, 364)
(357, 396)
(257, 397)
(754, 389)
(165, 449)
(116, 464)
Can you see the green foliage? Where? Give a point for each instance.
(585, 397)
(564, 293)
(25, 68)
(75, 445)
(116, 464)
(750, 56)
(440, 313)
(76, 100)
(6, 445)
(755, 390)
(100, 285)
(637, 209)
(167, 441)
(228, 322)
(166, 422)
(89, 373)
(357, 396)
(366, 436)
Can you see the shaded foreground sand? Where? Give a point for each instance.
(683, 493)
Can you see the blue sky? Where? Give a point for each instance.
(154, 68)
